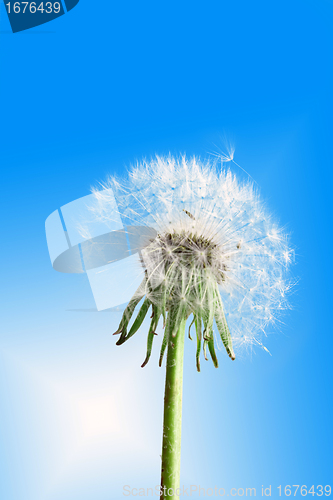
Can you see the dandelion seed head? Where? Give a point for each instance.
(212, 230)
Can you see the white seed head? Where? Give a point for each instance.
(211, 228)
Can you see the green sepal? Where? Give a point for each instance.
(137, 323)
(212, 352)
(180, 314)
(189, 329)
(167, 332)
(198, 327)
(205, 349)
(163, 347)
(222, 326)
(140, 292)
(153, 325)
(210, 307)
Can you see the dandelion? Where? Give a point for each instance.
(217, 258)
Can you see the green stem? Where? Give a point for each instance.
(170, 476)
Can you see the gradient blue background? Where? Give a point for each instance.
(88, 94)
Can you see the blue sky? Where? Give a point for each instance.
(88, 94)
